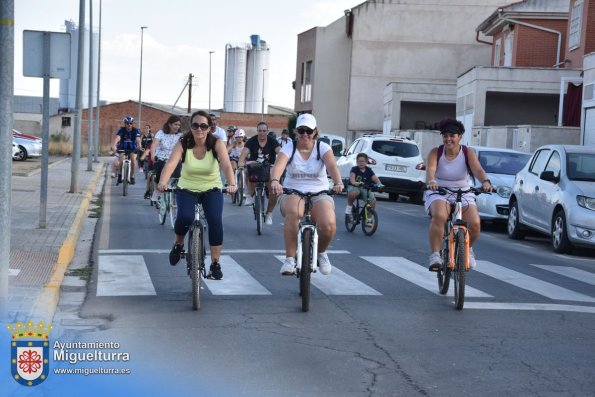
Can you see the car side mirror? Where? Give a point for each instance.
(549, 176)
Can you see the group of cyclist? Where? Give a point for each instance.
(203, 156)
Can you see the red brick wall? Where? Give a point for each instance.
(248, 121)
(537, 48)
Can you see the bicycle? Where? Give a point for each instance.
(152, 186)
(195, 257)
(455, 247)
(364, 214)
(238, 196)
(259, 174)
(307, 245)
(167, 203)
(126, 171)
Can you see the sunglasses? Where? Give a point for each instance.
(128, 123)
(262, 130)
(203, 126)
(305, 130)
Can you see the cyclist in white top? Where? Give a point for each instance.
(163, 143)
(307, 172)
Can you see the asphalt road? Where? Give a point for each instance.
(376, 327)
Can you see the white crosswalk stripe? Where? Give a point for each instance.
(123, 275)
(127, 275)
(419, 275)
(338, 283)
(529, 283)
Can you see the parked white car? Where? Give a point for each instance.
(15, 149)
(501, 166)
(396, 161)
(555, 194)
(29, 146)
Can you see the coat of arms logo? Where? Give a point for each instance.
(29, 352)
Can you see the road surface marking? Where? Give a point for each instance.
(236, 280)
(419, 275)
(529, 283)
(338, 282)
(225, 251)
(123, 275)
(529, 306)
(572, 272)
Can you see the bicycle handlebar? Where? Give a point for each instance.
(443, 191)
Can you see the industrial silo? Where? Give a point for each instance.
(256, 76)
(235, 78)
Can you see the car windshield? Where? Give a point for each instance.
(395, 148)
(581, 167)
(503, 162)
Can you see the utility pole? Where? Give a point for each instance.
(190, 76)
(80, 71)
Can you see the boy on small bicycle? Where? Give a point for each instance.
(361, 175)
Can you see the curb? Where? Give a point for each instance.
(38, 170)
(44, 307)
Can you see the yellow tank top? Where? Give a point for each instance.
(200, 175)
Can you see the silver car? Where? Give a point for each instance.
(501, 165)
(555, 194)
(27, 148)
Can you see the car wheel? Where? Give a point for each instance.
(560, 241)
(393, 196)
(21, 155)
(514, 227)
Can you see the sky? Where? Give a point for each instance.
(177, 41)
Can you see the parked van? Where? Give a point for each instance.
(335, 141)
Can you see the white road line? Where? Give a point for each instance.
(236, 280)
(529, 283)
(529, 306)
(418, 275)
(225, 251)
(123, 275)
(571, 272)
(338, 282)
(14, 272)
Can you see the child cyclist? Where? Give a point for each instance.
(360, 176)
(237, 147)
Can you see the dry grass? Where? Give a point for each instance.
(60, 145)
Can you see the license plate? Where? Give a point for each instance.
(395, 168)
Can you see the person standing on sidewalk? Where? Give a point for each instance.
(203, 157)
(127, 139)
(164, 142)
(260, 149)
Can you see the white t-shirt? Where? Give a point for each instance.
(306, 175)
(220, 133)
(166, 144)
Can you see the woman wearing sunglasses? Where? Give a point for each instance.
(307, 172)
(202, 156)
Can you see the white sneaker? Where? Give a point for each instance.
(268, 220)
(288, 267)
(324, 265)
(249, 200)
(113, 174)
(155, 196)
(472, 262)
(348, 210)
(435, 262)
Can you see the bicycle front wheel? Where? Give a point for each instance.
(306, 268)
(459, 272)
(258, 199)
(240, 188)
(173, 209)
(369, 221)
(163, 207)
(351, 219)
(196, 264)
(125, 172)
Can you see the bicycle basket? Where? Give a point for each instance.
(259, 173)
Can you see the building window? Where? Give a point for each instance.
(306, 92)
(576, 16)
(65, 121)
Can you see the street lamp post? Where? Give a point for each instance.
(262, 110)
(140, 84)
(210, 53)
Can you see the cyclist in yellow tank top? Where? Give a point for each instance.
(201, 159)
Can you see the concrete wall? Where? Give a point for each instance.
(306, 51)
(588, 126)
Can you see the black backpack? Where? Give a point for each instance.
(295, 148)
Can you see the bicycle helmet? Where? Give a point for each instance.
(232, 128)
(129, 119)
(239, 133)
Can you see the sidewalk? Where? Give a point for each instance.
(40, 257)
